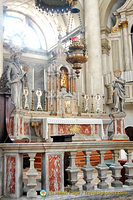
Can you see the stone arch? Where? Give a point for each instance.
(105, 9)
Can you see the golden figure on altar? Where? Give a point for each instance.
(64, 78)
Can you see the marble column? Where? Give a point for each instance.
(124, 26)
(93, 39)
(1, 37)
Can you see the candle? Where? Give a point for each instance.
(82, 83)
(33, 79)
(44, 80)
(102, 86)
(91, 85)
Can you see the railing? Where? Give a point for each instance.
(52, 172)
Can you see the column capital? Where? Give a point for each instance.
(123, 24)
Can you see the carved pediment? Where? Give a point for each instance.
(127, 7)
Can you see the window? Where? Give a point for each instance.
(23, 32)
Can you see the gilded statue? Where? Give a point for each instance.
(63, 79)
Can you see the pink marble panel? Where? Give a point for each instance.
(104, 127)
(11, 126)
(54, 162)
(86, 129)
(96, 129)
(26, 129)
(20, 125)
(63, 129)
(10, 174)
(118, 126)
(17, 125)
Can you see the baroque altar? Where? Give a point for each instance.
(57, 107)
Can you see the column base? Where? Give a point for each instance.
(116, 183)
(88, 186)
(32, 193)
(102, 185)
(129, 182)
(72, 188)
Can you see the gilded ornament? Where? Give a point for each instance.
(75, 129)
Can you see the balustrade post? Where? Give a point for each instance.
(102, 172)
(129, 168)
(87, 170)
(32, 173)
(72, 171)
(116, 170)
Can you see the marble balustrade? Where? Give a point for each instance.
(52, 172)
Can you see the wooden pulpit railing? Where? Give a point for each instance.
(6, 108)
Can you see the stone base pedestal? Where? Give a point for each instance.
(119, 126)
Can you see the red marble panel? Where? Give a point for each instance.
(54, 162)
(104, 127)
(11, 126)
(17, 125)
(96, 129)
(118, 126)
(26, 129)
(86, 129)
(123, 127)
(51, 129)
(20, 125)
(10, 174)
(63, 129)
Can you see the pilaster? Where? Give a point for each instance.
(124, 26)
(1, 38)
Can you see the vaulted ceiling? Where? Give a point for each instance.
(45, 22)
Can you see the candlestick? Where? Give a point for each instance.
(45, 101)
(32, 104)
(33, 79)
(92, 106)
(83, 104)
(104, 110)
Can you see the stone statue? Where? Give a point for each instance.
(118, 92)
(15, 77)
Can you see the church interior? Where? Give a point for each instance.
(66, 95)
